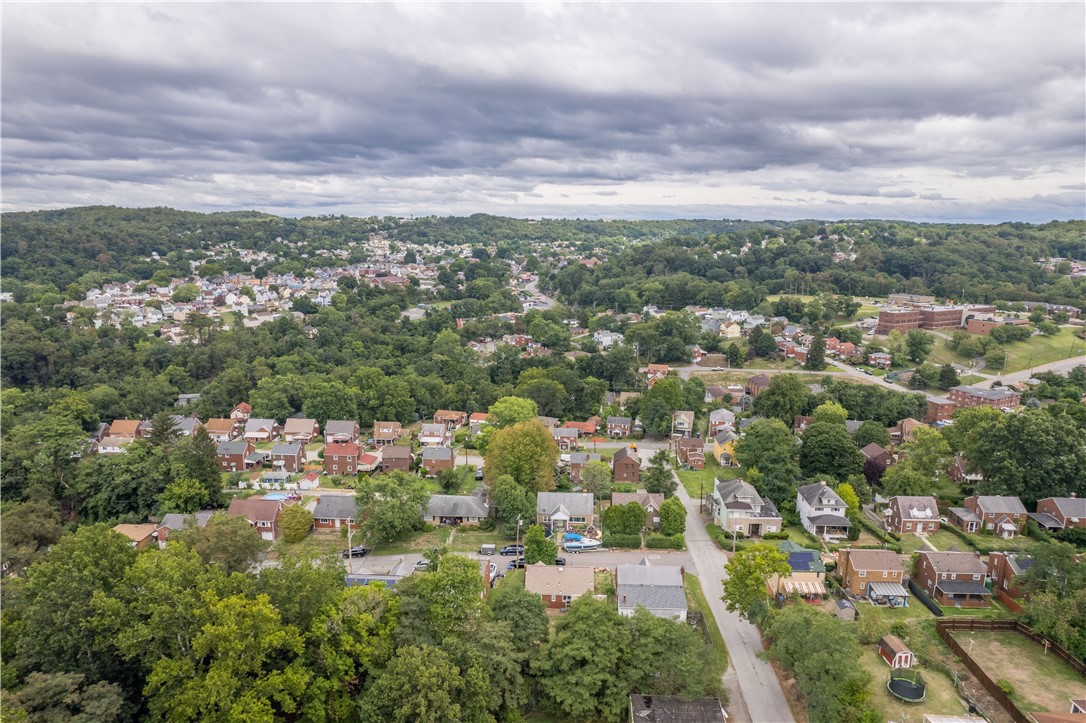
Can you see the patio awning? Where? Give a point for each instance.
(1046, 520)
(804, 588)
(886, 589)
(1008, 527)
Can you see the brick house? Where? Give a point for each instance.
(395, 458)
(721, 419)
(880, 359)
(626, 466)
(455, 510)
(940, 411)
(140, 536)
(223, 429)
(965, 396)
(301, 430)
(262, 514)
(1064, 511)
(341, 458)
(1003, 568)
(288, 455)
(435, 435)
(387, 433)
(577, 461)
(651, 502)
(342, 431)
(876, 452)
(959, 471)
(565, 438)
(586, 428)
(561, 510)
(334, 511)
(558, 586)
(451, 419)
(990, 514)
(953, 579)
(874, 574)
(619, 426)
(234, 456)
(435, 459)
(690, 452)
(910, 514)
(758, 384)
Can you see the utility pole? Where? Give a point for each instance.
(520, 552)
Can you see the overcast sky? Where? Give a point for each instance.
(971, 112)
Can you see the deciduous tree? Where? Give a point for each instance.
(537, 548)
(672, 517)
(749, 571)
(525, 451)
(828, 449)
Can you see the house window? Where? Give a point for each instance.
(567, 599)
(884, 573)
(908, 525)
(335, 457)
(553, 598)
(263, 523)
(863, 573)
(976, 577)
(944, 576)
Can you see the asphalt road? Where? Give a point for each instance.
(610, 559)
(755, 694)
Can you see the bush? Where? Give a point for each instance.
(487, 525)
(775, 536)
(665, 542)
(1005, 685)
(620, 541)
(1073, 535)
(295, 521)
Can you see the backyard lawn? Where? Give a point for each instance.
(420, 542)
(911, 543)
(701, 481)
(949, 542)
(941, 696)
(318, 543)
(469, 540)
(1041, 682)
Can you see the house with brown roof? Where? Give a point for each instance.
(342, 431)
(626, 466)
(953, 579)
(990, 514)
(902, 432)
(558, 585)
(758, 384)
(261, 430)
(1004, 568)
(690, 452)
(1061, 512)
(876, 452)
(301, 430)
(395, 458)
(650, 501)
(341, 458)
(241, 412)
(477, 420)
(912, 514)
(450, 418)
(223, 429)
(262, 514)
(387, 433)
(140, 536)
(874, 574)
(587, 428)
(125, 429)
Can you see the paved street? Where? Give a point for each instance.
(756, 696)
(383, 563)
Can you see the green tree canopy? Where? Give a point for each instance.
(672, 517)
(526, 452)
(769, 446)
(749, 571)
(785, 398)
(828, 449)
(537, 548)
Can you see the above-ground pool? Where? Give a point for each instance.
(279, 496)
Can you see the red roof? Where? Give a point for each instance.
(584, 427)
(244, 406)
(347, 449)
(480, 417)
(368, 459)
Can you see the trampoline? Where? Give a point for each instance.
(907, 684)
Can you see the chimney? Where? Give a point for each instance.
(1074, 495)
(822, 482)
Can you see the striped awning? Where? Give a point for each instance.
(804, 588)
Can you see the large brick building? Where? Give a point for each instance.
(900, 319)
(965, 396)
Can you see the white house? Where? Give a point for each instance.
(822, 511)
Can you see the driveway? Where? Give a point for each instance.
(755, 693)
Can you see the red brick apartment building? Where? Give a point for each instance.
(976, 397)
(897, 320)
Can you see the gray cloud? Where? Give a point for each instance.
(967, 112)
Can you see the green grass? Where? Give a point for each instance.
(945, 541)
(995, 610)
(695, 600)
(513, 578)
(469, 540)
(910, 543)
(970, 379)
(941, 696)
(1035, 351)
(800, 536)
(317, 543)
(604, 584)
(420, 542)
(702, 480)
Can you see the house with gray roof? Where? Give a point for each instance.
(673, 709)
(174, 521)
(822, 511)
(333, 511)
(619, 426)
(435, 459)
(185, 426)
(737, 507)
(1056, 513)
(657, 588)
(721, 419)
(990, 514)
(456, 510)
(290, 456)
(261, 430)
(342, 431)
(559, 510)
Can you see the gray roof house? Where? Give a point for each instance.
(456, 510)
(559, 509)
(177, 521)
(822, 511)
(657, 588)
(330, 508)
(738, 507)
(186, 426)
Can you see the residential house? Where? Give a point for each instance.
(241, 412)
(953, 579)
(607, 339)
(311, 480)
(113, 445)
(456, 510)
(758, 384)
(807, 577)
(342, 431)
(185, 426)
(477, 420)
(223, 429)
(341, 458)
(333, 511)
(577, 461)
(395, 458)
(435, 459)
(1061, 512)
(876, 452)
(565, 438)
(586, 428)
(682, 424)
(672, 709)
(1004, 569)
(184, 400)
(388, 433)
(236, 455)
(902, 432)
(140, 536)
(435, 435)
(301, 430)
(880, 359)
(548, 422)
(369, 461)
(721, 419)
(655, 372)
(737, 507)
(261, 430)
(874, 574)
(959, 471)
(619, 426)
(626, 465)
(275, 479)
(559, 510)
(650, 501)
(288, 456)
(822, 511)
(125, 429)
(992, 514)
(911, 514)
(690, 452)
(966, 396)
(657, 588)
(558, 585)
(452, 420)
(174, 521)
(262, 514)
(724, 448)
(716, 394)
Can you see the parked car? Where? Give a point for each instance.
(515, 564)
(358, 551)
(559, 560)
(422, 565)
(513, 550)
(479, 474)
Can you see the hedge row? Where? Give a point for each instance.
(627, 541)
(665, 542)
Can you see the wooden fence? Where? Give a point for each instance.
(944, 628)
